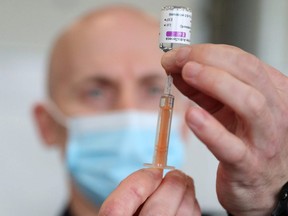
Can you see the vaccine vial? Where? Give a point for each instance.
(175, 27)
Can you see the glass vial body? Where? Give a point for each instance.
(175, 27)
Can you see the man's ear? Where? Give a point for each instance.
(50, 131)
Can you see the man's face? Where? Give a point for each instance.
(101, 67)
(109, 67)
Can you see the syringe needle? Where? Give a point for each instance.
(168, 85)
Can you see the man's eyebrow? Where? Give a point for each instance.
(92, 80)
(152, 77)
(98, 78)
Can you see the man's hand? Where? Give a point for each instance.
(244, 121)
(146, 193)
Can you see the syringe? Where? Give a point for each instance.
(175, 31)
(163, 128)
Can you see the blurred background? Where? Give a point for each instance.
(32, 177)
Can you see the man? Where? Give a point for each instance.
(243, 119)
(104, 84)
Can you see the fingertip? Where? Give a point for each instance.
(182, 54)
(168, 59)
(133, 190)
(191, 70)
(156, 173)
(195, 117)
(176, 57)
(176, 172)
(179, 178)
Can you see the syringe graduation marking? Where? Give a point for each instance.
(163, 127)
(165, 117)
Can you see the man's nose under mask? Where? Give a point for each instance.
(102, 150)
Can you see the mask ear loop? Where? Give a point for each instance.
(53, 109)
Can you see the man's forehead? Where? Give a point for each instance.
(118, 17)
(67, 50)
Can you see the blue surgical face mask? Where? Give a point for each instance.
(102, 150)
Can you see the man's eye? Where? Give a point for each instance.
(95, 93)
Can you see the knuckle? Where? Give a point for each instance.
(137, 193)
(202, 52)
(256, 103)
(241, 157)
(252, 64)
(219, 136)
(112, 208)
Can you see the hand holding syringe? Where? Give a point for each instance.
(175, 30)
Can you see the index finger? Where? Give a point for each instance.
(225, 57)
(132, 192)
(173, 62)
(233, 60)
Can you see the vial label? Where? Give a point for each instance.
(175, 26)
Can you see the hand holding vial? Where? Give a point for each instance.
(242, 119)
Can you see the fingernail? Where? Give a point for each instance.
(177, 173)
(168, 59)
(177, 56)
(182, 54)
(191, 70)
(196, 118)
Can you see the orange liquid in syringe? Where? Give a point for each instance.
(162, 142)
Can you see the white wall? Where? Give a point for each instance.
(32, 177)
(273, 34)
(258, 26)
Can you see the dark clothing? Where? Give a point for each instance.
(66, 212)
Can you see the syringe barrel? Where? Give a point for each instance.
(163, 131)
